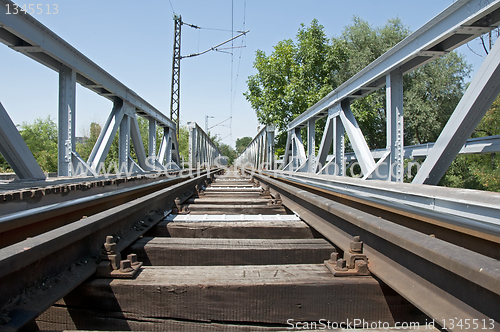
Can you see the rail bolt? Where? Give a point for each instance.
(126, 266)
(356, 245)
(133, 259)
(334, 256)
(341, 265)
(110, 245)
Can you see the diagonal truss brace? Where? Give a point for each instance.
(481, 93)
(15, 150)
(345, 121)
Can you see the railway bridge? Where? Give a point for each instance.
(264, 244)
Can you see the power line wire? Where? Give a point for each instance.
(173, 11)
(232, 61)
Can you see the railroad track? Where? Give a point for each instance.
(244, 252)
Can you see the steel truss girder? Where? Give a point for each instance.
(202, 151)
(152, 139)
(124, 118)
(349, 125)
(168, 156)
(461, 22)
(259, 154)
(140, 152)
(28, 36)
(15, 150)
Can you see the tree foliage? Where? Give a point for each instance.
(41, 138)
(184, 143)
(478, 171)
(294, 76)
(242, 143)
(299, 72)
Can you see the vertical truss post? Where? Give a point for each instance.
(311, 145)
(124, 144)
(326, 143)
(140, 152)
(152, 139)
(193, 143)
(176, 75)
(394, 117)
(168, 145)
(165, 153)
(298, 153)
(338, 146)
(288, 152)
(270, 145)
(66, 119)
(481, 93)
(15, 150)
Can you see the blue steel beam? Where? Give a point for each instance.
(15, 150)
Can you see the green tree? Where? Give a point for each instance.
(431, 95)
(242, 143)
(294, 76)
(184, 143)
(297, 75)
(431, 92)
(84, 149)
(478, 171)
(227, 151)
(41, 138)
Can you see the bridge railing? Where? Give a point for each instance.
(458, 24)
(202, 150)
(25, 34)
(259, 154)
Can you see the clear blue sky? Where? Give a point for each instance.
(132, 40)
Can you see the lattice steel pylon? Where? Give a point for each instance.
(176, 74)
(175, 92)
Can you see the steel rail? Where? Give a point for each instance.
(441, 279)
(466, 218)
(18, 226)
(37, 272)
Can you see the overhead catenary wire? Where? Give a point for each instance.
(215, 125)
(216, 46)
(171, 6)
(231, 92)
(233, 86)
